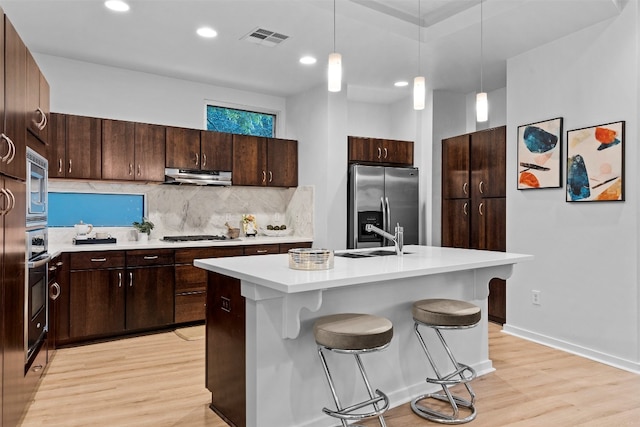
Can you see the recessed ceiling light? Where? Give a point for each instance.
(308, 60)
(207, 32)
(117, 5)
(401, 84)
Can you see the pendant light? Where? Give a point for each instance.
(335, 61)
(482, 103)
(418, 82)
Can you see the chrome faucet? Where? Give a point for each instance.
(398, 239)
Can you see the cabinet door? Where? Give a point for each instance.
(363, 150)
(59, 301)
(455, 223)
(117, 149)
(83, 147)
(14, 398)
(488, 163)
(490, 231)
(149, 152)
(182, 148)
(455, 167)
(37, 102)
(96, 302)
(397, 152)
(249, 160)
(15, 105)
(57, 145)
(282, 162)
(216, 151)
(150, 297)
(225, 348)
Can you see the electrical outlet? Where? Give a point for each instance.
(535, 297)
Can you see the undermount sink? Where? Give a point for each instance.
(368, 254)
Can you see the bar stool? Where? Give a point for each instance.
(356, 334)
(440, 314)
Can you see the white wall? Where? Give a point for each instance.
(586, 264)
(99, 91)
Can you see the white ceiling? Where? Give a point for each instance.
(378, 39)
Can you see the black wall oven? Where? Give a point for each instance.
(36, 301)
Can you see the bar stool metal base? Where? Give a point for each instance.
(461, 374)
(377, 400)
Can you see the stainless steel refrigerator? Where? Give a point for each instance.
(382, 196)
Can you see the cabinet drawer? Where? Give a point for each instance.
(190, 307)
(152, 257)
(98, 259)
(190, 278)
(261, 249)
(284, 247)
(186, 256)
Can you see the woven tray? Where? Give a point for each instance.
(310, 259)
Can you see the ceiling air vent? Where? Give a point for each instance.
(265, 37)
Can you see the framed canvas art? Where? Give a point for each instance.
(595, 163)
(539, 155)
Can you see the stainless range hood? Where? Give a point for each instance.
(196, 177)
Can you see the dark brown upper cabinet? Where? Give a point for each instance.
(259, 161)
(380, 151)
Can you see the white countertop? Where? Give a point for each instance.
(57, 248)
(272, 271)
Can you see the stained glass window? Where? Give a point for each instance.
(231, 120)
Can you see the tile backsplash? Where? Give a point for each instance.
(189, 209)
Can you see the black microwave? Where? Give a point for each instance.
(37, 176)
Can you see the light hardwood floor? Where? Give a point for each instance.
(158, 380)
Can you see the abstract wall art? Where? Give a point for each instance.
(595, 163)
(539, 155)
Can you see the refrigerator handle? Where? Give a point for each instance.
(388, 224)
(385, 218)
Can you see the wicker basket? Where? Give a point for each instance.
(310, 259)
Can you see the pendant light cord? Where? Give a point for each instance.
(419, 33)
(334, 25)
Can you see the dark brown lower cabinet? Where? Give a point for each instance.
(225, 348)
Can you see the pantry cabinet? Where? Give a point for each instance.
(259, 161)
(132, 151)
(474, 200)
(380, 151)
(13, 149)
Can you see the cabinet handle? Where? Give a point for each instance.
(59, 264)
(54, 291)
(98, 259)
(481, 187)
(151, 257)
(131, 279)
(379, 152)
(465, 208)
(264, 176)
(204, 160)
(53, 268)
(130, 169)
(70, 164)
(270, 176)
(11, 149)
(43, 119)
(60, 166)
(6, 196)
(119, 280)
(262, 251)
(480, 208)
(12, 201)
(385, 152)
(465, 188)
(197, 159)
(139, 170)
(37, 368)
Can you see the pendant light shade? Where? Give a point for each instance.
(482, 107)
(418, 93)
(335, 72)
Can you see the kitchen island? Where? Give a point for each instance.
(283, 380)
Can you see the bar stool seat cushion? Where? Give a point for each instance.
(352, 331)
(446, 312)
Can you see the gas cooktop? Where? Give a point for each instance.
(194, 238)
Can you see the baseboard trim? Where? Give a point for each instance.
(587, 353)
